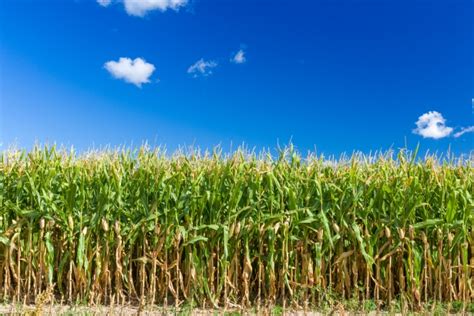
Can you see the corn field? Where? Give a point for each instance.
(243, 229)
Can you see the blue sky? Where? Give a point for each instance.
(333, 75)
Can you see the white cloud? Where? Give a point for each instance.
(202, 67)
(239, 57)
(463, 131)
(141, 7)
(136, 71)
(104, 3)
(432, 125)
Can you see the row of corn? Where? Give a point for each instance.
(238, 230)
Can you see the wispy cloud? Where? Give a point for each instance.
(136, 71)
(202, 68)
(239, 57)
(432, 125)
(142, 7)
(463, 131)
(104, 3)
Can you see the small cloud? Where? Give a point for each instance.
(432, 125)
(136, 71)
(202, 68)
(463, 131)
(239, 57)
(104, 3)
(142, 7)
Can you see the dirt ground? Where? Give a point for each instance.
(133, 310)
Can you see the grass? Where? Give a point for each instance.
(236, 231)
(349, 307)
